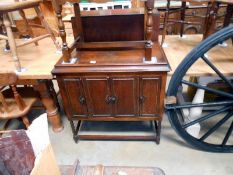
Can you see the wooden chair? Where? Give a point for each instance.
(7, 6)
(15, 102)
(130, 28)
(182, 9)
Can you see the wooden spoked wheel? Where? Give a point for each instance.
(205, 123)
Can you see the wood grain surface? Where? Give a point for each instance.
(178, 48)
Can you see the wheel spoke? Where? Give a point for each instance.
(216, 126)
(217, 71)
(179, 114)
(206, 116)
(228, 134)
(225, 94)
(192, 105)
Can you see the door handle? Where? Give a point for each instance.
(111, 99)
(82, 100)
(108, 99)
(142, 99)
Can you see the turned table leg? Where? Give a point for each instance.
(43, 87)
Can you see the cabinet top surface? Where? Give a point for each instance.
(114, 61)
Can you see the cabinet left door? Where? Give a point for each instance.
(76, 100)
(97, 90)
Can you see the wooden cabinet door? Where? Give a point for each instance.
(125, 90)
(150, 88)
(98, 91)
(75, 96)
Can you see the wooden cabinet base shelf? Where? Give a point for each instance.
(76, 136)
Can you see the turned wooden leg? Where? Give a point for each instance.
(182, 18)
(28, 28)
(26, 121)
(11, 40)
(47, 100)
(75, 129)
(46, 26)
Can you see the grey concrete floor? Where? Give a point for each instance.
(172, 155)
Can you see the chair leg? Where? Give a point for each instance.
(7, 46)
(47, 27)
(26, 121)
(228, 16)
(182, 17)
(6, 124)
(11, 40)
(3, 31)
(165, 21)
(28, 28)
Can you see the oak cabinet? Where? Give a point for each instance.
(119, 71)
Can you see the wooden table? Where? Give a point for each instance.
(178, 48)
(39, 62)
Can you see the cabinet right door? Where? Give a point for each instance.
(125, 90)
(149, 102)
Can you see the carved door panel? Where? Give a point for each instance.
(149, 96)
(125, 92)
(75, 96)
(98, 93)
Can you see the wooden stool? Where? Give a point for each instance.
(7, 6)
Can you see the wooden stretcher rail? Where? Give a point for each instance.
(111, 45)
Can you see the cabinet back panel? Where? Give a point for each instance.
(113, 28)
